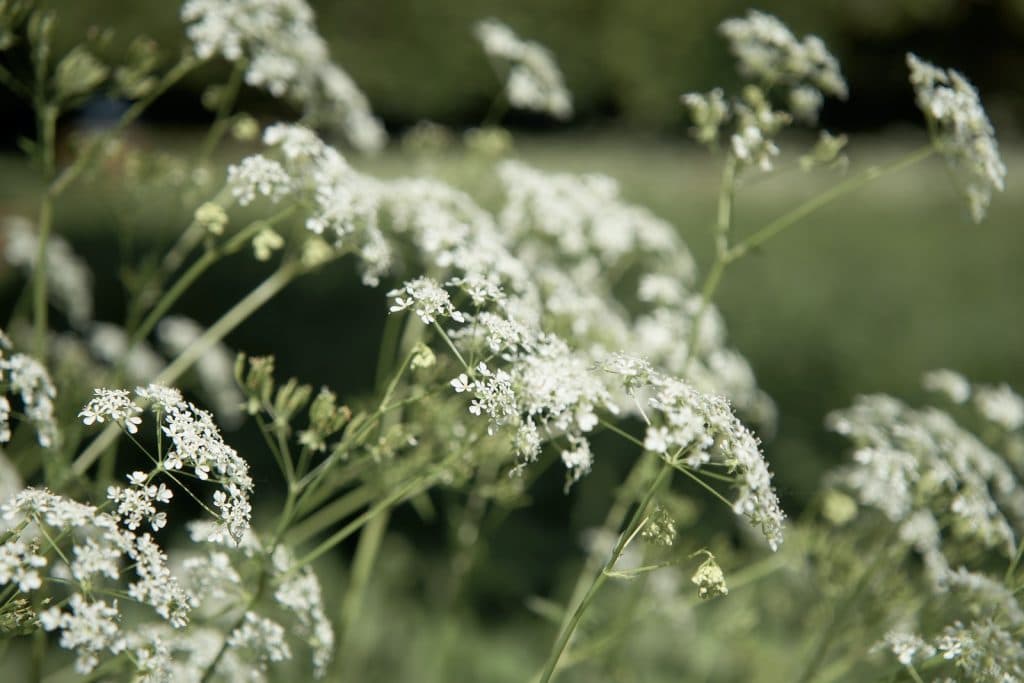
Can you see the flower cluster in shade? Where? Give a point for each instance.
(962, 131)
(534, 82)
(277, 43)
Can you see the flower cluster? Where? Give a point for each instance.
(537, 303)
(258, 176)
(534, 80)
(427, 299)
(930, 477)
(767, 52)
(195, 442)
(222, 575)
(277, 43)
(692, 430)
(103, 547)
(68, 278)
(961, 130)
(772, 59)
(215, 368)
(25, 377)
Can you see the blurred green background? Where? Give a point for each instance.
(863, 296)
(626, 61)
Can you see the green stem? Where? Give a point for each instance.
(362, 568)
(70, 174)
(726, 194)
(339, 508)
(212, 667)
(707, 293)
(1012, 569)
(234, 317)
(198, 267)
(790, 218)
(410, 489)
(222, 120)
(39, 296)
(602, 576)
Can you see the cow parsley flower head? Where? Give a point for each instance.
(68, 278)
(104, 549)
(258, 176)
(690, 429)
(27, 379)
(534, 81)
(115, 405)
(426, 298)
(961, 130)
(917, 466)
(708, 112)
(768, 52)
(952, 385)
(907, 646)
(1000, 405)
(194, 441)
(283, 53)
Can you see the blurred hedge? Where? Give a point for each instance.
(624, 59)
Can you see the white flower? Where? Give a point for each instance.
(264, 637)
(258, 176)
(115, 405)
(285, 55)
(708, 113)
(767, 51)
(427, 299)
(461, 383)
(907, 646)
(952, 384)
(1001, 405)
(961, 131)
(28, 378)
(20, 563)
(750, 145)
(534, 80)
(68, 278)
(910, 461)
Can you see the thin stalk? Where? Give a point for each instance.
(842, 611)
(726, 196)
(706, 294)
(407, 491)
(793, 216)
(339, 508)
(40, 308)
(222, 120)
(70, 174)
(212, 666)
(234, 317)
(1012, 569)
(362, 568)
(602, 576)
(198, 267)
